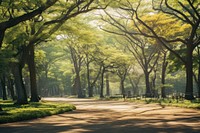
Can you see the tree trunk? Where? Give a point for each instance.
(1, 92)
(2, 34)
(19, 84)
(94, 82)
(163, 75)
(3, 86)
(77, 60)
(163, 92)
(11, 88)
(148, 90)
(153, 88)
(134, 89)
(90, 89)
(73, 89)
(189, 74)
(198, 78)
(78, 85)
(122, 86)
(107, 85)
(33, 82)
(198, 82)
(102, 83)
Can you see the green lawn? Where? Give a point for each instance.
(195, 104)
(12, 113)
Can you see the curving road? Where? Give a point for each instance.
(93, 116)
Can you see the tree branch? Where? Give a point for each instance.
(14, 21)
(179, 12)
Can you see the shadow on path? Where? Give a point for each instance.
(111, 120)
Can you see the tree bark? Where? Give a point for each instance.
(19, 84)
(2, 34)
(102, 82)
(11, 88)
(77, 61)
(33, 82)
(153, 88)
(163, 75)
(148, 89)
(78, 85)
(3, 86)
(122, 87)
(73, 89)
(198, 82)
(107, 85)
(189, 74)
(90, 89)
(197, 79)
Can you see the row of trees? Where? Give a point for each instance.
(24, 25)
(170, 27)
(43, 47)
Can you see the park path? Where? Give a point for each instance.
(93, 116)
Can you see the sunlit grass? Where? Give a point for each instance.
(12, 113)
(178, 103)
(195, 104)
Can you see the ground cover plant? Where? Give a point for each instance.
(194, 104)
(12, 112)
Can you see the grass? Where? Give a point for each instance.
(195, 104)
(13, 113)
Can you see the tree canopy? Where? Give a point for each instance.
(83, 47)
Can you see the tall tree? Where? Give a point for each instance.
(93, 70)
(186, 16)
(163, 73)
(49, 26)
(185, 12)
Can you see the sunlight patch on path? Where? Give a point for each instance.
(94, 116)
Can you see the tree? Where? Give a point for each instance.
(122, 63)
(134, 78)
(47, 27)
(186, 13)
(50, 27)
(144, 50)
(12, 18)
(51, 68)
(74, 46)
(186, 16)
(93, 72)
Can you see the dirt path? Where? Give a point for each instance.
(94, 116)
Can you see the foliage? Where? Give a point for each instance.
(32, 110)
